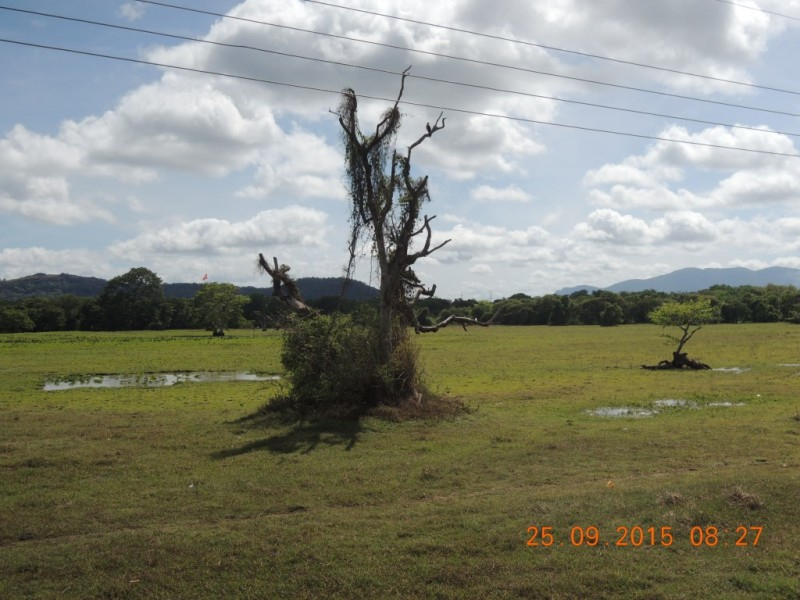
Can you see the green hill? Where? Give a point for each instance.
(41, 284)
(50, 285)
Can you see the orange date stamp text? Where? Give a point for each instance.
(710, 536)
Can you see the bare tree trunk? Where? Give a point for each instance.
(385, 327)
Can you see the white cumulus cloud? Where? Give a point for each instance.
(289, 226)
(511, 193)
(132, 11)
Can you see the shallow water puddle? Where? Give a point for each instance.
(673, 403)
(634, 412)
(622, 411)
(153, 380)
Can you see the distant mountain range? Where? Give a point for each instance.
(693, 280)
(313, 288)
(40, 284)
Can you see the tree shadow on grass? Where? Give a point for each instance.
(303, 436)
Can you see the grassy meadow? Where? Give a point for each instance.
(169, 493)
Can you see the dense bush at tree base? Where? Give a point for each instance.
(333, 369)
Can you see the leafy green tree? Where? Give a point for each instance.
(46, 314)
(640, 304)
(611, 315)
(763, 311)
(334, 304)
(257, 309)
(434, 305)
(133, 301)
(559, 313)
(794, 315)
(483, 310)
(91, 316)
(735, 311)
(590, 308)
(516, 310)
(218, 305)
(689, 317)
(15, 320)
(180, 312)
(71, 305)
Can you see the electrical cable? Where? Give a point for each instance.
(404, 102)
(389, 72)
(769, 12)
(472, 60)
(556, 48)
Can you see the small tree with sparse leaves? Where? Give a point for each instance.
(689, 318)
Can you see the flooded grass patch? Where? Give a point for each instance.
(153, 379)
(674, 403)
(622, 411)
(638, 412)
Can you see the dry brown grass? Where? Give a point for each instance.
(745, 499)
(428, 407)
(670, 498)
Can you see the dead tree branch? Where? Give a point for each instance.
(463, 321)
(426, 248)
(430, 131)
(283, 286)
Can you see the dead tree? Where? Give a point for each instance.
(386, 211)
(386, 203)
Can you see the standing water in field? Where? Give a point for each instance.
(674, 403)
(152, 380)
(634, 412)
(622, 411)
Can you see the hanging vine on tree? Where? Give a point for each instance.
(386, 202)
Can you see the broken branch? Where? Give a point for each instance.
(281, 281)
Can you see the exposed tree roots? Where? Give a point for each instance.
(679, 361)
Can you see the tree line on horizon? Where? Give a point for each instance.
(136, 301)
(43, 285)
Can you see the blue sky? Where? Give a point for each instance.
(107, 165)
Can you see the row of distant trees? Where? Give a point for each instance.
(768, 304)
(136, 301)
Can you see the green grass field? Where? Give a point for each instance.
(167, 493)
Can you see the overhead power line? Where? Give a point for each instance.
(756, 8)
(473, 60)
(556, 48)
(404, 102)
(393, 73)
